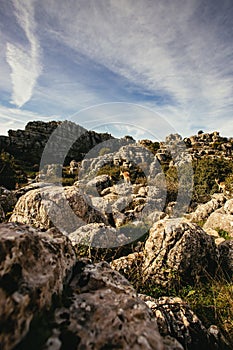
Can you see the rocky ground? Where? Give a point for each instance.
(101, 264)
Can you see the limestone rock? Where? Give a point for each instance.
(28, 145)
(228, 206)
(105, 313)
(226, 257)
(7, 202)
(32, 186)
(220, 220)
(33, 268)
(130, 266)
(177, 320)
(203, 211)
(63, 207)
(100, 182)
(97, 236)
(178, 252)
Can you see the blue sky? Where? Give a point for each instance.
(146, 67)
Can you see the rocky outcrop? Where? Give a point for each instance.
(178, 252)
(33, 267)
(226, 258)
(97, 309)
(99, 183)
(65, 208)
(222, 219)
(203, 211)
(211, 144)
(95, 235)
(105, 314)
(175, 253)
(27, 145)
(175, 319)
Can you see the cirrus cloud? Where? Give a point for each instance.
(24, 60)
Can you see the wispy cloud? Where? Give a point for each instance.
(182, 49)
(172, 56)
(15, 118)
(24, 60)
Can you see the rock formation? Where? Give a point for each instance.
(28, 145)
(177, 320)
(33, 268)
(175, 253)
(52, 205)
(7, 202)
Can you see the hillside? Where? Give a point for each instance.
(130, 243)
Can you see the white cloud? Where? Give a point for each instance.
(168, 47)
(24, 60)
(180, 50)
(15, 118)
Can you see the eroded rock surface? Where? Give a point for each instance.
(7, 202)
(63, 207)
(104, 313)
(203, 211)
(226, 257)
(177, 320)
(178, 252)
(33, 268)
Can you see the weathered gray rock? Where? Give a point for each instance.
(228, 206)
(177, 320)
(203, 211)
(63, 207)
(97, 236)
(7, 202)
(130, 266)
(32, 186)
(2, 214)
(226, 257)
(104, 313)
(33, 268)
(218, 220)
(28, 144)
(178, 252)
(99, 183)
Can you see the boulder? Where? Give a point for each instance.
(33, 268)
(228, 206)
(32, 186)
(219, 220)
(97, 236)
(226, 257)
(63, 207)
(130, 266)
(178, 252)
(175, 319)
(100, 182)
(7, 202)
(104, 312)
(203, 211)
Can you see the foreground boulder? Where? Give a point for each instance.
(63, 207)
(104, 313)
(176, 319)
(33, 268)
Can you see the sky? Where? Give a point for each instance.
(140, 67)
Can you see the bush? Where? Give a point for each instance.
(206, 170)
(8, 173)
